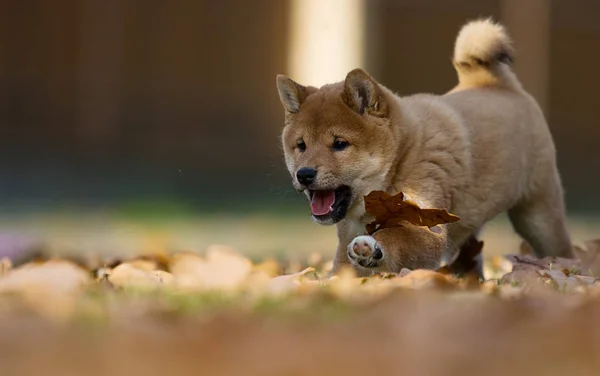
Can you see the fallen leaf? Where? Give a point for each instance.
(510, 291)
(54, 275)
(344, 283)
(489, 287)
(102, 273)
(51, 288)
(426, 279)
(160, 258)
(586, 261)
(520, 277)
(270, 267)
(589, 257)
(293, 266)
(564, 281)
(285, 283)
(497, 267)
(390, 211)
(164, 277)
(327, 267)
(222, 268)
(525, 262)
(128, 275)
(186, 263)
(315, 259)
(560, 273)
(147, 265)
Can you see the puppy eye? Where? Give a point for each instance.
(339, 145)
(301, 146)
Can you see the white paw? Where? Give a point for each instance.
(365, 251)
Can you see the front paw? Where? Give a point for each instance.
(366, 252)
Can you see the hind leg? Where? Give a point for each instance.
(540, 220)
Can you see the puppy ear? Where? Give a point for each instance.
(363, 94)
(291, 93)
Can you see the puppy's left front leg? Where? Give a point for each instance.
(391, 249)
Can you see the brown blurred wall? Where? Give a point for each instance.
(419, 36)
(148, 97)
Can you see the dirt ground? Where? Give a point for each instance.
(405, 334)
(159, 299)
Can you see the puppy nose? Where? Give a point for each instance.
(306, 175)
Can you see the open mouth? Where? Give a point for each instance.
(330, 205)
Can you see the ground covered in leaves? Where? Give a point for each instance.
(215, 312)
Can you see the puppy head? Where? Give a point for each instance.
(338, 142)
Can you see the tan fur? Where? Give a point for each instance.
(482, 149)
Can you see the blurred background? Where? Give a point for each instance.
(132, 124)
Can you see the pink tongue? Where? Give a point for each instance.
(321, 202)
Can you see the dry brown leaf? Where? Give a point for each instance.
(327, 267)
(510, 291)
(50, 276)
(590, 257)
(285, 283)
(489, 287)
(426, 279)
(223, 268)
(315, 259)
(524, 262)
(497, 267)
(520, 277)
(164, 277)
(560, 273)
(51, 288)
(344, 283)
(270, 267)
(129, 275)
(525, 270)
(564, 281)
(147, 265)
(293, 266)
(102, 273)
(227, 268)
(374, 288)
(586, 261)
(189, 270)
(184, 263)
(390, 211)
(159, 257)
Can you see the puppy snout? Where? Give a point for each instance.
(306, 175)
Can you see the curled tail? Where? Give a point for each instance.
(483, 53)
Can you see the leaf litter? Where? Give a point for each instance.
(218, 312)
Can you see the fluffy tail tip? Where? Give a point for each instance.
(483, 42)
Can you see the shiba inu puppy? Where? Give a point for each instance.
(479, 150)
